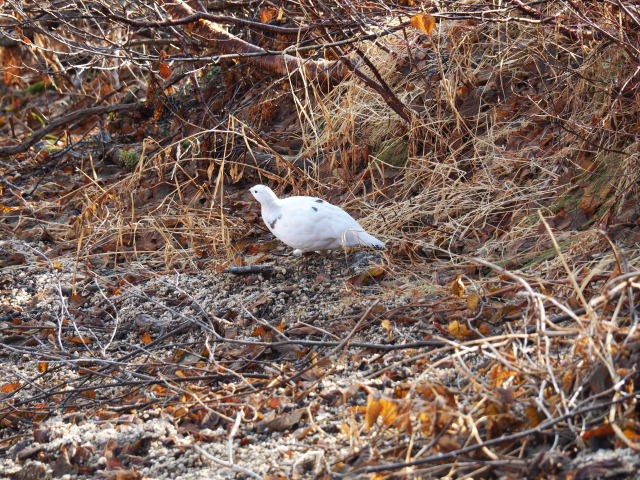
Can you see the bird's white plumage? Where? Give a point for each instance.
(310, 224)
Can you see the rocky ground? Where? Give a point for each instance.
(147, 330)
(320, 366)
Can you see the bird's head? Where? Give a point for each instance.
(263, 194)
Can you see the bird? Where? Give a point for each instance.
(309, 224)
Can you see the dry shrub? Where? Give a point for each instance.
(508, 119)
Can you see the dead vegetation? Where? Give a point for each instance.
(496, 150)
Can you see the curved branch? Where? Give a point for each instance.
(325, 71)
(59, 122)
(195, 16)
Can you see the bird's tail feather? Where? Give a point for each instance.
(362, 239)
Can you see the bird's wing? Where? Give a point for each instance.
(309, 223)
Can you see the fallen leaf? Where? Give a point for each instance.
(268, 14)
(457, 287)
(77, 300)
(372, 412)
(10, 387)
(423, 22)
(12, 259)
(81, 339)
(165, 70)
(473, 299)
(600, 431)
(371, 276)
(459, 330)
(279, 422)
(389, 411)
(386, 324)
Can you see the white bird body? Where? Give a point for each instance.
(310, 224)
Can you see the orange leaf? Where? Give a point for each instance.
(43, 367)
(165, 70)
(180, 412)
(423, 22)
(631, 435)
(267, 14)
(371, 276)
(260, 331)
(386, 324)
(389, 411)
(10, 387)
(146, 338)
(484, 328)
(373, 410)
(5, 209)
(601, 431)
(534, 416)
(457, 287)
(82, 340)
(459, 330)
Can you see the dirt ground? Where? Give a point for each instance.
(307, 297)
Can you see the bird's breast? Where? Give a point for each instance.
(271, 218)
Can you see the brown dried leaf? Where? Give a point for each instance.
(11, 259)
(459, 330)
(386, 324)
(457, 287)
(122, 474)
(165, 70)
(268, 14)
(389, 411)
(261, 332)
(373, 411)
(81, 340)
(282, 421)
(423, 22)
(534, 416)
(77, 300)
(473, 300)
(10, 387)
(371, 276)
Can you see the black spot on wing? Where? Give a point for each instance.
(275, 220)
(315, 209)
(319, 201)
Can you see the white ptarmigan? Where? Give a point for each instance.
(310, 224)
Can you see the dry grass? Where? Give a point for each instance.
(507, 119)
